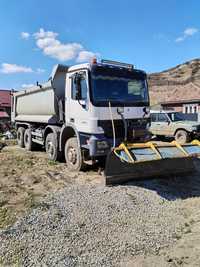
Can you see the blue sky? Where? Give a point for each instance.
(36, 34)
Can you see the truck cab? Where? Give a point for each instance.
(99, 92)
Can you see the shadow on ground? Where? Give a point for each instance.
(172, 188)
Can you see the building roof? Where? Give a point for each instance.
(184, 101)
(5, 98)
(3, 114)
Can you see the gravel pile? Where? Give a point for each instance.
(87, 225)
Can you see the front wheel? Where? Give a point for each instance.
(73, 155)
(182, 137)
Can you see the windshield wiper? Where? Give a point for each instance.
(111, 99)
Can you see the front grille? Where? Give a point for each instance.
(119, 127)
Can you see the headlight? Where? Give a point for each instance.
(102, 144)
(120, 110)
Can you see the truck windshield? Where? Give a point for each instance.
(119, 87)
(177, 116)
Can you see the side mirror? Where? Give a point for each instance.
(77, 81)
(83, 103)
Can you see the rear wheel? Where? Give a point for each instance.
(73, 155)
(182, 137)
(20, 136)
(51, 147)
(29, 145)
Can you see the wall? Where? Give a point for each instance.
(185, 108)
(175, 107)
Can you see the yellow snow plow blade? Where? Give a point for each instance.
(148, 160)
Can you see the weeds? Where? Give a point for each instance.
(52, 163)
(6, 217)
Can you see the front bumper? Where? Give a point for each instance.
(195, 134)
(100, 145)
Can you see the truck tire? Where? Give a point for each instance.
(20, 136)
(73, 155)
(182, 137)
(51, 147)
(29, 145)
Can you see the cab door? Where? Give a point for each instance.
(153, 127)
(163, 124)
(78, 100)
(159, 124)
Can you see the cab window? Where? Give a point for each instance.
(153, 117)
(162, 117)
(83, 85)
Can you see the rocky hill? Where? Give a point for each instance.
(179, 83)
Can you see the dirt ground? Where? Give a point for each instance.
(27, 177)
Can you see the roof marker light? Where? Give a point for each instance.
(94, 60)
(116, 63)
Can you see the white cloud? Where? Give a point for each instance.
(43, 34)
(179, 39)
(14, 68)
(7, 68)
(62, 52)
(40, 70)
(47, 41)
(27, 85)
(84, 56)
(188, 32)
(25, 35)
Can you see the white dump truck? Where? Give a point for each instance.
(84, 112)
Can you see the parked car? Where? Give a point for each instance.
(173, 124)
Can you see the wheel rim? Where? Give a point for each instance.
(181, 137)
(50, 149)
(72, 155)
